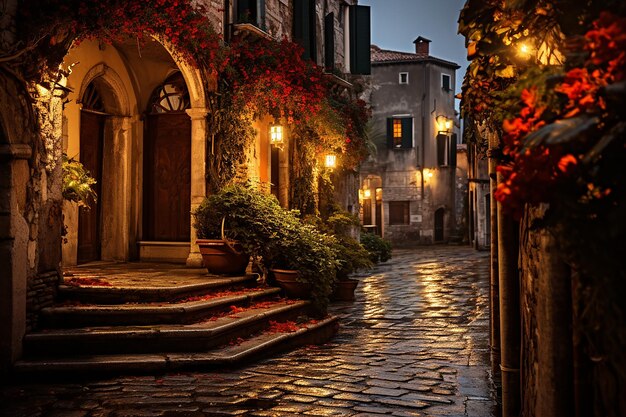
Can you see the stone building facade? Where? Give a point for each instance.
(136, 117)
(408, 190)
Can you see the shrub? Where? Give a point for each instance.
(379, 248)
(272, 234)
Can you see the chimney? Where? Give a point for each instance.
(421, 46)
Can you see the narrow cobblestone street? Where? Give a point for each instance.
(413, 344)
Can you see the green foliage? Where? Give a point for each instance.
(379, 248)
(272, 234)
(77, 183)
(352, 256)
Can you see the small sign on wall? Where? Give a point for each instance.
(416, 218)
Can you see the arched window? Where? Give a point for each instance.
(170, 97)
(92, 100)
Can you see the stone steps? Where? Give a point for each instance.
(234, 355)
(144, 294)
(163, 338)
(147, 313)
(139, 318)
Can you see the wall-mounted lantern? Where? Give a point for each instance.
(367, 193)
(277, 135)
(444, 124)
(330, 161)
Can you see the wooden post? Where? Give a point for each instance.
(494, 288)
(510, 319)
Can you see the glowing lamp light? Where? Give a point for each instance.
(276, 135)
(331, 161)
(367, 193)
(524, 50)
(444, 124)
(428, 173)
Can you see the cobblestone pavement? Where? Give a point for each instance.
(413, 344)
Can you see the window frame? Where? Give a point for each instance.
(443, 87)
(400, 78)
(405, 207)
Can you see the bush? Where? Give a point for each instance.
(379, 248)
(271, 234)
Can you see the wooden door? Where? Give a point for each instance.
(439, 214)
(167, 177)
(91, 144)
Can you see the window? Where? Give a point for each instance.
(404, 78)
(329, 42)
(400, 132)
(399, 212)
(360, 39)
(304, 27)
(445, 82)
(251, 11)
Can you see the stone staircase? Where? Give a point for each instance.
(211, 322)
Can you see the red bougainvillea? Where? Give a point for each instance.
(531, 172)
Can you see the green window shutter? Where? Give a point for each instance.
(390, 132)
(304, 30)
(407, 133)
(441, 149)
(453, 150)
(360, 40)
(329, 42)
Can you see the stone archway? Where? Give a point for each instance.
(14, 262)
(112, 118)
(126, 81)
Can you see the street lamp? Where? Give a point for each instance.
(444, 124)
(277, 137)
(331, 161)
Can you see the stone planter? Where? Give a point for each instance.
(221, 257)
(344, 290)
(287, 280)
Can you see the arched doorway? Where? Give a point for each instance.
(167, 163)
(92, 125)
(439, 224)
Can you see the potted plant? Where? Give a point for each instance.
(378, 248)
(352, 256)
(277, 239)
(220, 255)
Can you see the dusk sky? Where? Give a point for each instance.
(396, 24)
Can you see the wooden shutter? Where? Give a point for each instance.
(407, 133)
(390, 132)
(304, 29)
(441, 149)
(329, 42)
(452, 158)
(360, 40)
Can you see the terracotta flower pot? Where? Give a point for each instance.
(223, 258)
(344, 290)
(287, 280)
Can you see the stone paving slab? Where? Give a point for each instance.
(413, 344)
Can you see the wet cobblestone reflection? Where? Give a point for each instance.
(413, 344)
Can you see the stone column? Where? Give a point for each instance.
(14, 233)
(198, 175)
(283, 176)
